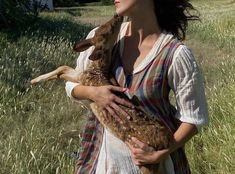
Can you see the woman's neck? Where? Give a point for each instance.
(144, 27)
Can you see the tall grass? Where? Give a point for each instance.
(39, 124)
(217, 23)
(213, 42)
(35, 120)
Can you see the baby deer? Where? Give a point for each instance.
(150, 131)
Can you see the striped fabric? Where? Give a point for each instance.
(90, 146)
(150, 87)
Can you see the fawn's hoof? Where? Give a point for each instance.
(34, 81)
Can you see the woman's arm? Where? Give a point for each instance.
(104, 98)
(82, 64)
(184, 133)
(186, 81)
(144, 154)
(81, 92)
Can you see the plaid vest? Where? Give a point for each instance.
(149, 87)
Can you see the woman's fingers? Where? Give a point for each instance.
(124, 102)
(119, 110)
(113, 113)
(116, 111)
(106, 99)
(117, 99)
(136, 154)
(139, 143)
(107, 115)
(140, 152)
(117, 88)
(142, 145)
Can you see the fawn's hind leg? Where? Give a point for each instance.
(62, 72)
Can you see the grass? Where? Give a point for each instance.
(35, 119)
(39, 124)
(218, 19)
(212, 41)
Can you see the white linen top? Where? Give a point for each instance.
(186, 82)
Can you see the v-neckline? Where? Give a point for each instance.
(143, 64)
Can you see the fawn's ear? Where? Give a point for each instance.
(82, 45)
(96, 54)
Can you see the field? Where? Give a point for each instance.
(40, 126)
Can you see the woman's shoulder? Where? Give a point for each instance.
(184, 61)
(183, 52)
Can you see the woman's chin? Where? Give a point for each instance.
(121, 12)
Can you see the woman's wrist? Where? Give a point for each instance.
(91, 93)
(81, 92)
(185, 132)
(160, 155)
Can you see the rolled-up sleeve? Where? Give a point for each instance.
(186, 81)
(82, 64)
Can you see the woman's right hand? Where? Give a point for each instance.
(104, 97)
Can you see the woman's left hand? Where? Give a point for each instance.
(142, 154)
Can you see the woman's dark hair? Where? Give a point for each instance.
(173, 16)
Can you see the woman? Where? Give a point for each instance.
(149, 61)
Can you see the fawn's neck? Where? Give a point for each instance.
(97, 74)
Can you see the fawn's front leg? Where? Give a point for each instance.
(63, 72)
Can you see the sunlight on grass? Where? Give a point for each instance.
(217, 23)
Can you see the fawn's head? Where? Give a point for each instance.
(103, 40)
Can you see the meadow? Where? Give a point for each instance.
(40, 126)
